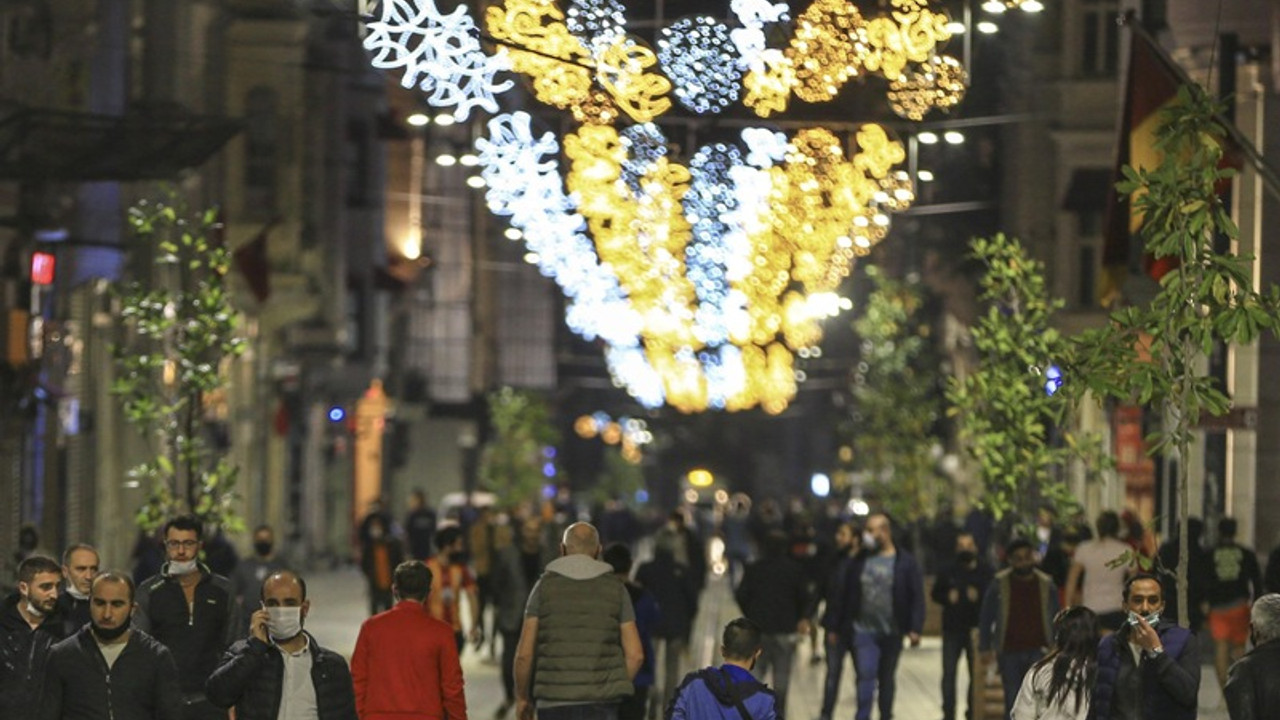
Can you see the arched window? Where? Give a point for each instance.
(261, 138)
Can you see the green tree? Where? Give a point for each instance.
(896, 391)
(620, 478)
(512, 462)
(1009, 408)
(1208, 299)
(179, 331)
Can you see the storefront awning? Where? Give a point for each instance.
(62, 146)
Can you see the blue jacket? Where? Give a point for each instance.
(714, 693)
(1170, 680)
(908, 594)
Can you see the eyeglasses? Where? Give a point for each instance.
(184, 544)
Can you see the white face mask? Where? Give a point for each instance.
(181, 567)
(869, 541)
(34, 611)
(73, 592)
(284, 623)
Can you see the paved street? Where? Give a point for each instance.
(338, 605)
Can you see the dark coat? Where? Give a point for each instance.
(251, 678)
(773, 594)
(908, 594)
(1170, 680)
(196, 634)
(962, 615)
(141, 685)
(1252, 691)
(24, 652)
(73, 611)
(673, 585)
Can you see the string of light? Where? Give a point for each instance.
(705, 275)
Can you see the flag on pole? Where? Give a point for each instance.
(1151, 85)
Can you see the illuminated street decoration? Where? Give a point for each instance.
(937, 84)
(440, 54)
(705, 270)
(699, 56)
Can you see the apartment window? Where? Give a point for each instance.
(358, 156)
(1087, 274)
(261, 137)
(1100, 38)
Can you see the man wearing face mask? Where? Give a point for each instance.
(250, 573)
(191, 611)
(1015, 623)
(108, 670)
(729, 692)
(280, 671)
(883, 603)
(29, 626)
(1150, 669)
(79, 565)
(451, 579)
(959, 589)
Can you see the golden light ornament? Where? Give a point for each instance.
(938, 84)
(769, 87)
(822, 50)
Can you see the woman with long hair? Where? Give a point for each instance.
(1058, 686)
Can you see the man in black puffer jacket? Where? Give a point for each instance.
(191, 610)
(251, 676)
(108, 671)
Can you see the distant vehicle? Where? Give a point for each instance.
(451, 505)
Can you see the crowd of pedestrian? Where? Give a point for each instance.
(1077, 621)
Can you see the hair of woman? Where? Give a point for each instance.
(1073, 662)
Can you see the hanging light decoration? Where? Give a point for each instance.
(703, 275)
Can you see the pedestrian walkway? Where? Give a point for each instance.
(338, 606)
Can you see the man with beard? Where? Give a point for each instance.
(79, 565)
(29, 627)
(108, 670)
(280, 671)
(1150, 669)
(191, 611)
(1016, 620)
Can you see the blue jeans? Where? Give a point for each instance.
(836, 651)
(955, 643)
(1013, 667)
(590, 711)
(875, 657)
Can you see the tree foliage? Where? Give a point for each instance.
(513, 460)
(1154, 354)
(898, 403)
(1013, 422)
(179, 329)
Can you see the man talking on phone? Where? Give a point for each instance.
(1150, 669)
(280, 671)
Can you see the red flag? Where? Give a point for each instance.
(252, 262)
(1151, 86)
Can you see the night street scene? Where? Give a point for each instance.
(639, 359)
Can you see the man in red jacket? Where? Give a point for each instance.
(405, 665)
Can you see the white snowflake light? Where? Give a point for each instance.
(699, 57)
(439, 53)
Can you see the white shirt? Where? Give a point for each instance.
(111, 651)
(298, 695)
(1103, 586)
